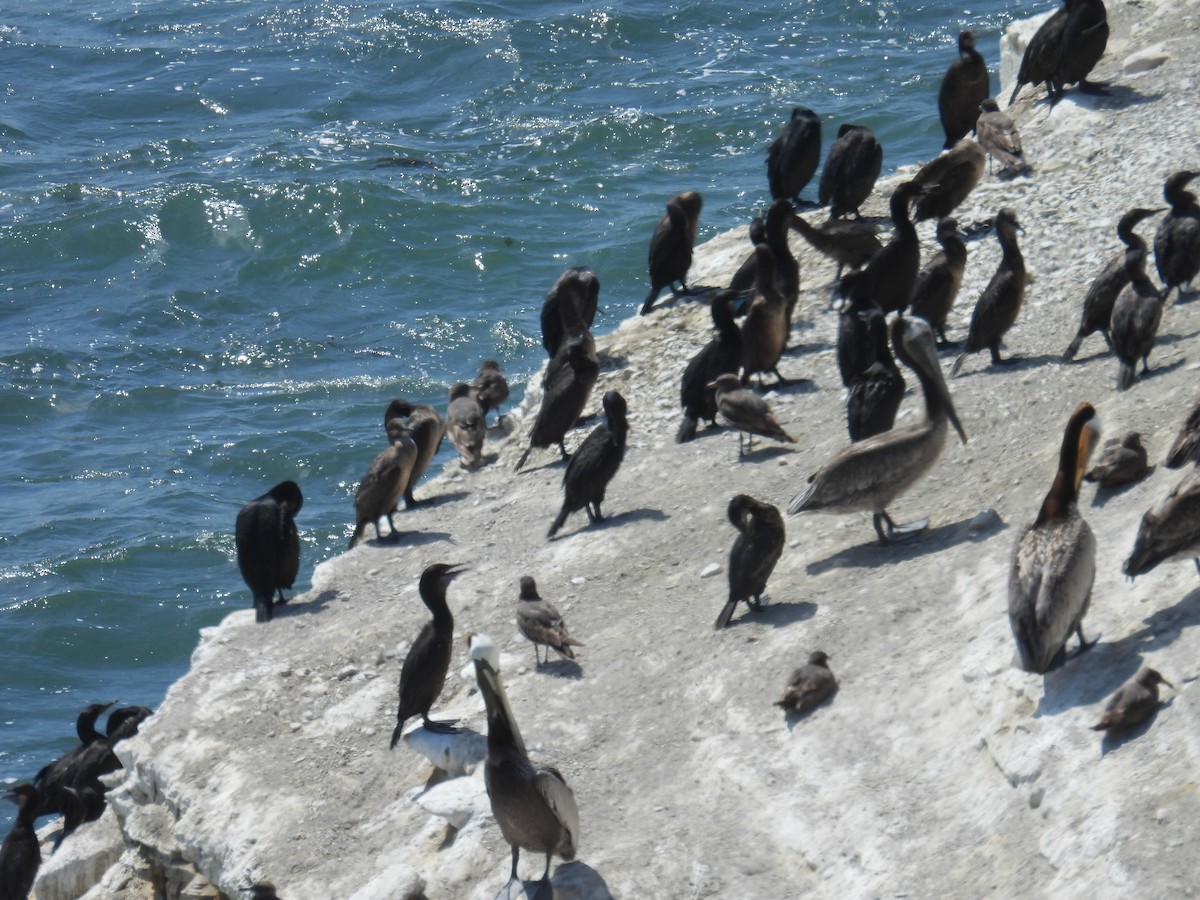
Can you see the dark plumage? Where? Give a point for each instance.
(1121, 462)
(793, 156)
(1186, 448)
(1177, 241)
(268, 546)
(746, 411)
(964, 86)
(937, 284)
(999, 138)
(260, 890)
(54, 777)
(787, 270)
(947, 180)
(720, 355)
(1106, 287)
(809, 685)
(889, 277)
(542, 624)
(846, 243)
(765, 329)
(1133, 703)
(860, 325)
(594, 464)
(1084, 38)
(381, 487)
(490, 387)
(1170, 529)
(743, 279)
(671, 245)
(564, 397)
(851, 169)
(427, 428)
(20, 854)
(1136, 315)
(423, 674)
(580, 288)
(1039, 64)
(465, 426)
(875, 394)
(755, 552)
(997, 307)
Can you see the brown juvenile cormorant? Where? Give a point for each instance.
(1169, 529)
(1177, 241)
(1098, 304)
(1054, 559)
(1084, 37)
(793, 156)
(809, 685)
(846, 243)
(765, 329)
(594, 464)
(964, 86)
(937, 284)
(746, 411)
(423, 674)
(997, 307)
(999, 138)
(1136, 315)
(380, 489)
(268, 546)
(851, 168)
(490, 387)
(755, 552)
(428, 429)
(20, 854)
(579, 287)
(1186, 447)
(946, 180)
(671, 246)
(465, 426)
(533, 806)
(720, 355)
(564, 397)
(1133, 703)
(1040, 62)
(889, 277)
(1120, 462)
(542, 624)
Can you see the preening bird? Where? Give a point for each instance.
(755, 552)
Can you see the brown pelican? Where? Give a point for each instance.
(542, 624)
(872, 473)
(851, 169)
(1054, 559)
(793, 156)
(533, 806)
(809, 685)
(670, 254)
(1170, 528)
(964, 87)
(1133, 703)
(758, 547)
(1187, 444)
(465, 426)
(1120, 462)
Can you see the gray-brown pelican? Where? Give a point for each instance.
(1133, 703)
(533, 806)
(872, 473)
(1170, 528)
(1054, 559)
(1187, 443)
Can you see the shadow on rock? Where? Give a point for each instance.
(408, 538)
(292, 608)
(630, 515)
(440, 499)
(1116, 96)
(777, 615)
(933, 540)
(1103, 494)
(1116, 739)
(764, 453)
(571, 881)
(791, 386)
(561, 668)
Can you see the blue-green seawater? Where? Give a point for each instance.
(207, 285)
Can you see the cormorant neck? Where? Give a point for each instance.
(436, 603)
(722, 316)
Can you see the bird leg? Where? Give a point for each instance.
(781, 380)
(1197, 562)
(505, 893)
(563, 449)
(545, 882)
(598, 517)
(901, 532)
(440, 727)
(1093, 87)
(1083, 644)
(758, 602)
(282, 597)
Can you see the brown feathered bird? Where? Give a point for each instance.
(490, 387)
(938, 282)
(465, 426)
(671, 245)
(380, 490)
(946, 180)
(1133, 703)
(1121, 462)
(746, 411)
(1186, 448)
(542, 624)
(427, 429)
(755, 552)
(809, 685)
(998, 136)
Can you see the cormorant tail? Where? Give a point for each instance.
(958, 363)
(358, 533)
(648, 303)
(1126, 375)
(558, 521)
(726, 614)
(263, 608)
(396, 735)
(687, 430)
(1069, 355)
(524, 456)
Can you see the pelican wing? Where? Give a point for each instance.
(552, 788)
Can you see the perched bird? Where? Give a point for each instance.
(565, 397)
(809, 685)
(1169, 529)
(1105, 288)
(268, 545)
(1186, 448)
(860, 325)
(938, 282)
(997, 307)
(533, 806)
(964, 87)
(846, 243)
(423, 674)
(793, 156)
(490, 387)
(594, 464)
(1177, 241)
(53, 779)
(1039, 64)
(1133, 703)
(671, 246)
(946, 180)
(380, 489)
(870, 474)
(720, 355)
(743, 279)
(427, 429)
(580, 288)
(998, 136)
(889, 276)
(787, 270)
(1084, 38)
(542, 624)
(20, 854)
(746, 411)
(755, 552)
(875, 394)
(1136, 314)
(1054, 559)
(765, 329)
(1121, 462)
(851, 169)
(465, 426)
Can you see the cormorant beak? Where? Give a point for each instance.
(1089, 437)
(1167, 683)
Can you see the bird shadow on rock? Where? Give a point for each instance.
(440, 499)
(561, 668)
(409, 538)
(611, 362)
(1114, 740)
(791, 386)
(777, 615)
(292, 608)
(570, 879)
(803, 348)
(1115, 96)
(629, 515)
(1017, 362)
(764, 452)
(931, 540)
(1167, 339)
(1104, 494)
(1160, 370)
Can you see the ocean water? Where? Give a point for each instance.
(210, 285)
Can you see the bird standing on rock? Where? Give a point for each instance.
(964, 86)
(580, 288)
(20, 854)
(565, 396)
(427, 430)
(889, 277)
(1084, 38)
(594, 464)
(937, 284)
(765, 330)
(268, 546)
(999, 138)
(720, 355)
(465, 426)
(746, 411)
(380, 489)
(671, 246)
(542, 624)
(793, 156)
(809, 685)
(755, 552)
(997, 307)
(846, 243)
(1133, 703)
(1039, 63)
(1136, 315)
(851, 169)
(1177, 241)
(946, 181)
(490, 387)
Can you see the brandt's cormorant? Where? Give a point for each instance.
(720, 355)
(809, 685)
(1169, 529)
(937, 284)
(755, 552)
(579, 287)
(268, 546)
(787, 269)
(423, 674)
(542, 624)
(765, 329)
(671, 246)
(846, 243)
(793, 156)
(428, 429)
(20, 854)
(875, 394)
(964, 86)
(1136, 315)
(1133, 703)
(533, 806)
(889, 277)
(1186, 447)
(490, 387)
(997, 307)
(565, 396)
(1177, 241)
(380, 489)
(465, 426)
(1054, 559)
(54, 777)
(1120, 462)
(594, 464)
(747, 412)
(999, 138)
(946, 180)
(743, 279)
(1084, 37)
(859, 325)
(851, 168)
(1040, 62)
